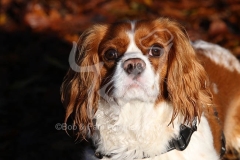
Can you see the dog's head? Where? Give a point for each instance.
(150, 61)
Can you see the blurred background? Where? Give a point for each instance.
(35, 40)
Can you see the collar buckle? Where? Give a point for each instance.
(181, 142)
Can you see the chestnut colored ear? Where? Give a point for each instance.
(79, 90)
(187, 81)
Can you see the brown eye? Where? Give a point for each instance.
(111, 54)
(156, 50)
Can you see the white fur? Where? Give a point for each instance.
(218, 55)
(133, 126)
(133, 23)
(132, 47)
(136, 127)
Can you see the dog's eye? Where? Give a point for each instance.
(111, 54)
(156, 50)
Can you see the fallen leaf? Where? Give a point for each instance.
(217, 27)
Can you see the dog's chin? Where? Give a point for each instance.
(135, 92)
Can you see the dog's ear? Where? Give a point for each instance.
(79, 90)
(187, 81)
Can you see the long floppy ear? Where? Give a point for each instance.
(187, 81)
(79, 90)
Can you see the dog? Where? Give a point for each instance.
(143, 90)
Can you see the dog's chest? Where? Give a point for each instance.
(140, 130)
(134, 130)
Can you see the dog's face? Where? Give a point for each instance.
(149, 61)
(134, 57)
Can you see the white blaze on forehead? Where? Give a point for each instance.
(132, 47)
(133, 25)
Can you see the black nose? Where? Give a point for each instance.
(134, 66)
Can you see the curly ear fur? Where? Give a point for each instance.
(79, 99)
(187, 81)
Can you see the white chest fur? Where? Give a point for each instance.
(140, 129)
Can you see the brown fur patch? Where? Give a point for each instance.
(226, 101)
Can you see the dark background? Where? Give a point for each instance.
(35, 40)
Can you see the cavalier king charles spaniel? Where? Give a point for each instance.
(143, 90)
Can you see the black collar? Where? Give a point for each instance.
(180, 143)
